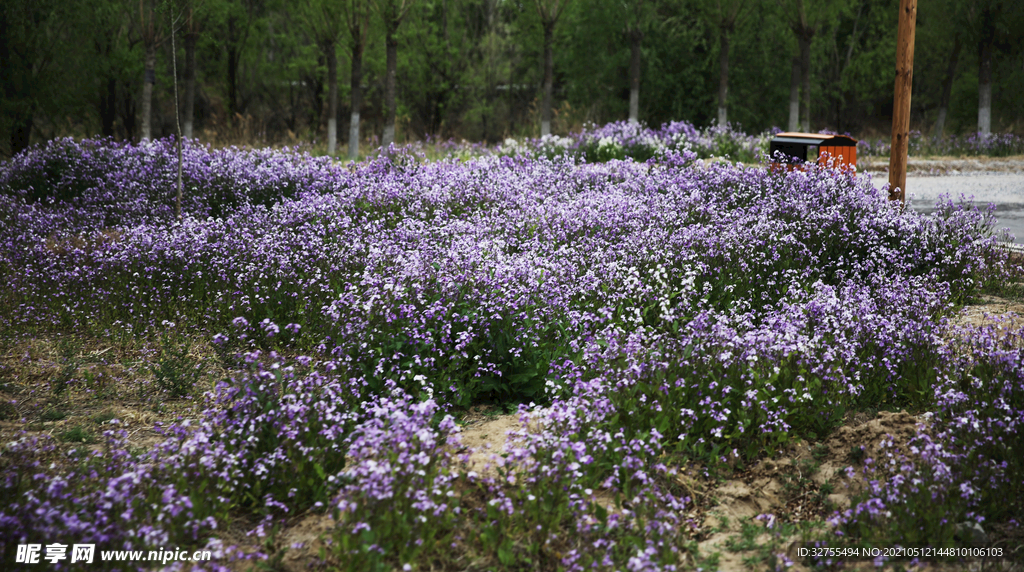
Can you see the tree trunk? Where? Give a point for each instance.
(723, 76)
(190, 78)
(233, 50)
(107, 100)
(149, 49)
(635, 38)
(511, 91)
(390, 81)
(985, 86)
(128, 111)
(21, 134)
(549, 66)
(357, 99)
(794, 97)
(805, 74)
(147, 91)
(332, 98)
(108, 107)
(6, 89)
(947, 87)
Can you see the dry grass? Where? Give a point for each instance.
(87, 243)
(53, 385)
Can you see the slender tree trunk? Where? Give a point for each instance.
(511, 90)
(233, 50)
(108, 107)
(177, 123)
(635, 39)
(128, 111)
(107, 99)
(146, 17)
(852, 40)
(947, 87)
(549, 67)
(6, 88)
(390, 82)
(794, 97)
(985, 86)
(190, 79)
(147, 91)
(318, 112)
(332, 98)
(723, 77)
(21, 135)
(357, 99)
(805, 74)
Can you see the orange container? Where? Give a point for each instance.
(799, 148)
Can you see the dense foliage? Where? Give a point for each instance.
(639, 312)
(473, 68)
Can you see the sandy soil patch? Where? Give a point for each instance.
(992, 311)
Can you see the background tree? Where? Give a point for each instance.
(324, 21)
(459, 62)
(392, 13)
(637, 15)
(549, 11)
(794, 94)
(237, 21)
(985, 15)
(722, 16)
(357, 23)
(492, 98)
(759, 71)
(852, 46)
(106, 41)
(152, 33)
(190, 28)
(39, 74)
(804, 24)
(938, 62)
(947, 85)
(805, 19)
(995, 26)
(254, 72)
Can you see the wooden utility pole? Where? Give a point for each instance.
(901, 101)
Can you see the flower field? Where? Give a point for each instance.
(311, 337)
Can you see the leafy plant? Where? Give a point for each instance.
(7, 411)
(69, 360)
(176, 370)
(103, 416)
(77, 434)
(53, 414)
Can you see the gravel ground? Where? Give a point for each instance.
(999, 181)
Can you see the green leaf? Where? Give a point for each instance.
(505, 555)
